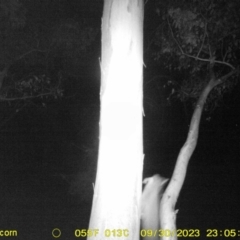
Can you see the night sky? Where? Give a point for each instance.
(48, 152)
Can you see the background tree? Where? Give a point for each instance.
(38, 56)
(44, 61)
(199, 41)
(194, 34)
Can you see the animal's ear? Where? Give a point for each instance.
(146, 180)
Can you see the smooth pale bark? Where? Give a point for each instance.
(170, 196)
(117, 192)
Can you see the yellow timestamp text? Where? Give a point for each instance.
(223, 233)
(82, 233)
(170, 233)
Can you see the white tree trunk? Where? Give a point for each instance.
(117, 192)
(170, 196)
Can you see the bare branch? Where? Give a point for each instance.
(225, 77)
(205, 33)
(3, 99)
(228, 34)
(29, 52)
